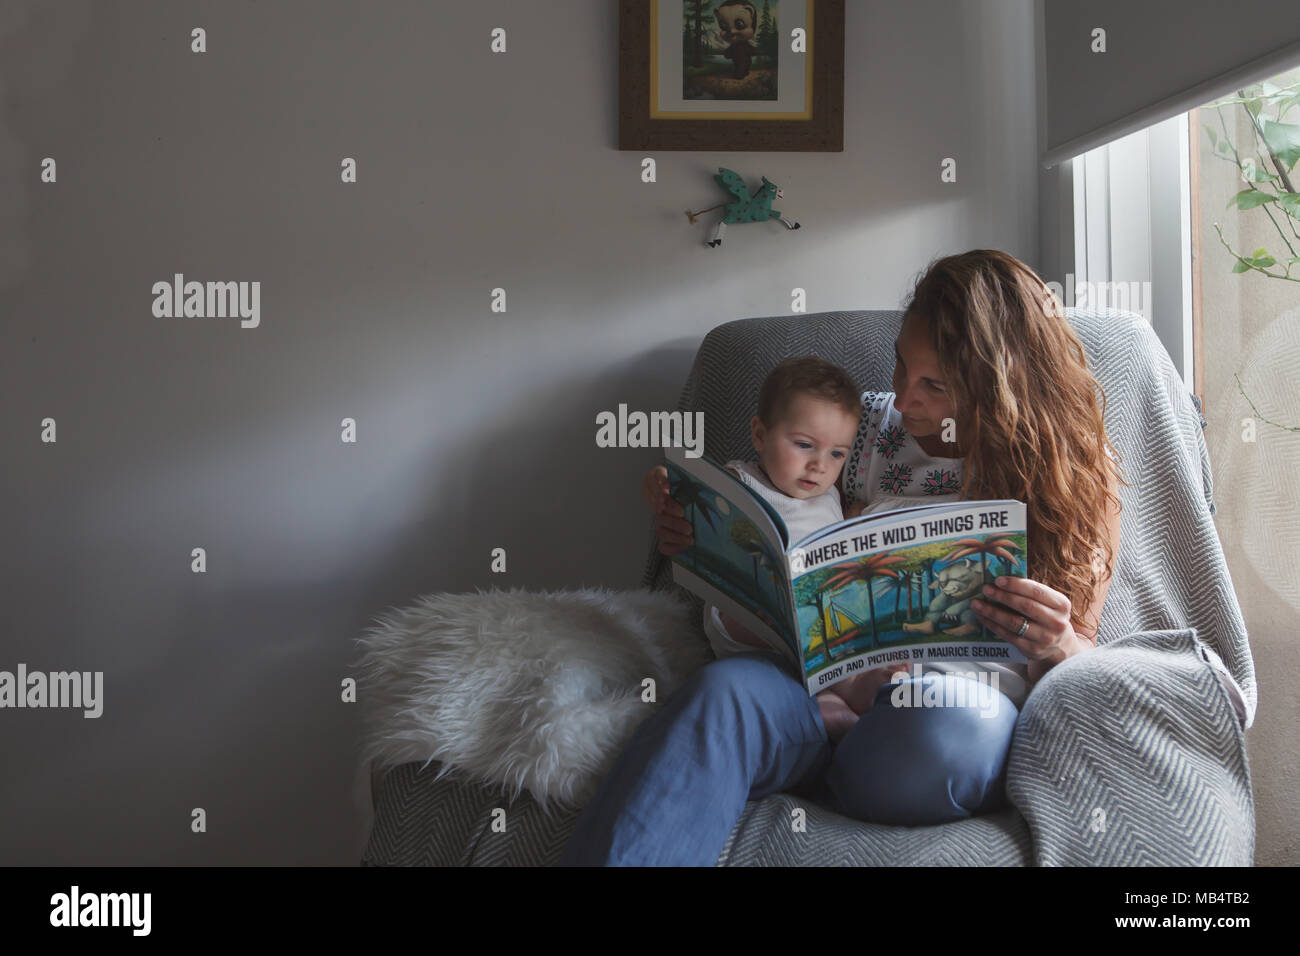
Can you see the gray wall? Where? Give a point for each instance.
(476, 429)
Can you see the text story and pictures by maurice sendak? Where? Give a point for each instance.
(863, 593)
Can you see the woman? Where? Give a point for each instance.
(987, 359)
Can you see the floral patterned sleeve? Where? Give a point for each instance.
(855, 470)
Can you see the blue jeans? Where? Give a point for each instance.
(743, 727)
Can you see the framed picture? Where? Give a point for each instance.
(731, 75)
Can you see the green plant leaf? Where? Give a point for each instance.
(1282, 138)
(1254, 106)
(1214, 137)
(1258, 173)
(1250, 198)
(1241, 266)
(1290, 203)
(1264, 263)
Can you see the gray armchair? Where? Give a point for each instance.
(1132, 754)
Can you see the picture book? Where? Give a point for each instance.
(862, 593)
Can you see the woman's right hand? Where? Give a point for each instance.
(671, 527)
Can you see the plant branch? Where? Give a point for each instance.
(1279, 230)
(1281, 172)
(1289, 428)
(1290, 220)
(1237, 160)
(1249, 264)
(1259, 133)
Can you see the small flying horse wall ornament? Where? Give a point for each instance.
(744, 208)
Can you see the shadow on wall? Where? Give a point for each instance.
(539, 487)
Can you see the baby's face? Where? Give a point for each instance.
(804, 451)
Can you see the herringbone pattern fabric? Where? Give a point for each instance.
(1131, 755)
(1128, 755)
(421, 820)
(766, 836)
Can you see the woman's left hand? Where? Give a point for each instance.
(1050, 637)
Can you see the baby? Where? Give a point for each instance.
(808, 415)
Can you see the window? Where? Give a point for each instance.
(1133, 233)
(1158, 229)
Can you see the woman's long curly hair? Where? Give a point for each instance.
(1026, 411)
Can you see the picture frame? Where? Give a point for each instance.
(679, 89)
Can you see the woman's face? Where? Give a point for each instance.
(920, 392)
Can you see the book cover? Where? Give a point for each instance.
(859, 594)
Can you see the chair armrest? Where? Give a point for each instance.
(1132, 754)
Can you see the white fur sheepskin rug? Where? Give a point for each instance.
(526, 690)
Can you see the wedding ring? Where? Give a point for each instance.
(1023, 627)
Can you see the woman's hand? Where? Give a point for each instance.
(1050, 637)
(854, 509)
(673, 530)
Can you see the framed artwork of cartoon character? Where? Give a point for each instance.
(731, 75)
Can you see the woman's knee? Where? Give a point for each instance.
(740, 675)
(918, 765)
(753, 689)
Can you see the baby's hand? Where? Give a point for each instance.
(859, 691)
